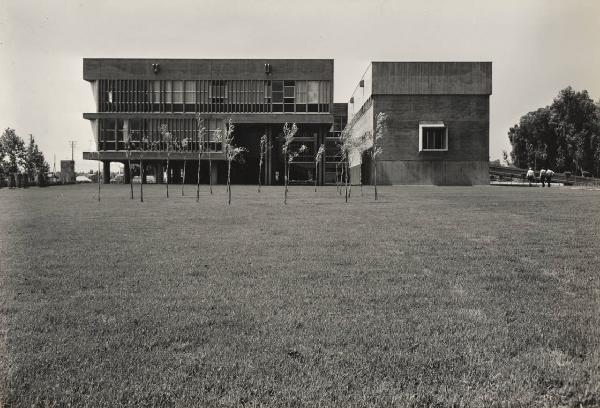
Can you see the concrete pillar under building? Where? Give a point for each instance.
(176, 173)
(143, 172)
(106, 172)
(126, 173)
(158, 173)
(214, 175)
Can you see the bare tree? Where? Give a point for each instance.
(345, 147)
(201, 136)
(184, 146)
(318, 157)
(168, 144)
(289, 132)
(377, 149)
(231, 152)
(359, 145)
(264, 144)
(127, 140)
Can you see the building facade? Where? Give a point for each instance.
(437, 122)
(138, 98)
(438, 118)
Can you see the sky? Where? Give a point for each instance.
(537, 48)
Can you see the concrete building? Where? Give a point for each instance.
(438, 121)
(137, 96)
(438, 127)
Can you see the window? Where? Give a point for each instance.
(218, 91)
(190, 96)
(433, 137)
(178, 93)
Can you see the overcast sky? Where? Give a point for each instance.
(537, 48)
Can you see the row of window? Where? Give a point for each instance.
(243, 96)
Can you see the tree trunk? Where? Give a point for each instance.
(130, 175)
(360, 178)
(183, 181)
(168, 174)
(375, 178)
(346, 179)
(141, 181)
(285, 179)
(316, 176)
(259, 170)
(99, 181)
(198, 178)
(210, 172)
(229, 181)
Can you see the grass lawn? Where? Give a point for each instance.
(432, 296)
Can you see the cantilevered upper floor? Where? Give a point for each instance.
(273, 89)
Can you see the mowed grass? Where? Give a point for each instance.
(433, 296)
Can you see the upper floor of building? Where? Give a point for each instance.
(420, 78)
(211, 85)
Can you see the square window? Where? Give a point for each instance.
(433, 137)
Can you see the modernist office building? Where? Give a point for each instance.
(437, 127)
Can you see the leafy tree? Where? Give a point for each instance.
(34, 160)
(564, 135)
(13, 151)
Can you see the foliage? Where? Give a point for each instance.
(564, 135)
(34, 160)
(13, 154)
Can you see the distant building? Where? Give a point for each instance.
(438, 128)
(67, 171)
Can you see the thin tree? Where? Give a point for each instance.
(318, 157)
(292, 155)
(127, 141)
(201, 135)
(143, 147)
(345, 147)
(263, 151)
(231, 153)
(359, 145)
(99, 182)
(377, 149)
(168, 145)
(184, 146)
(289, 132)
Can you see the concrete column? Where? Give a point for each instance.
(126, 173)
(214, 175)
(106, 172)
(158, 173)
(269, 158)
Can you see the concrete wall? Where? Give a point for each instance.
(433, 78)
(174, 69)
(467, 158)
(361, 94)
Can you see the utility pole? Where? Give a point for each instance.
(72, 143)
